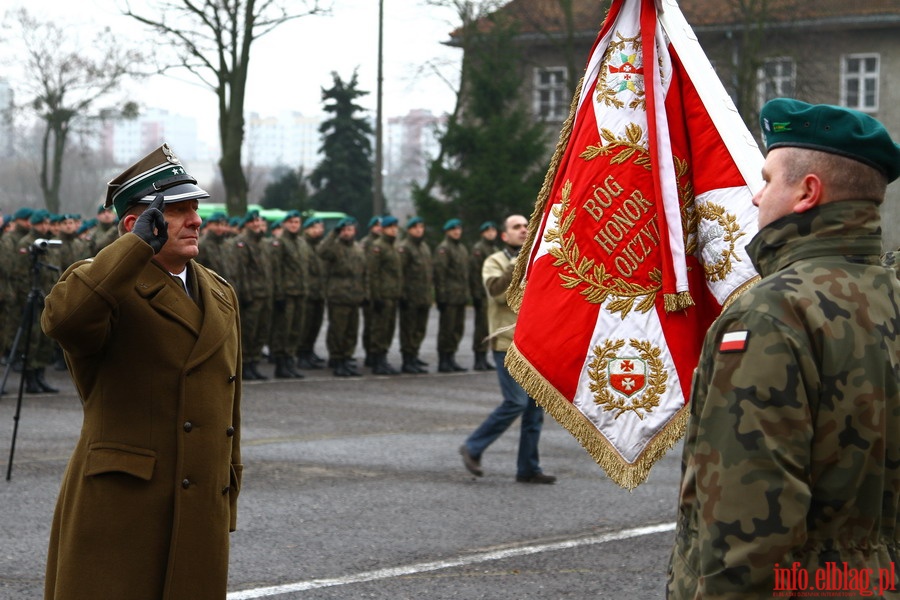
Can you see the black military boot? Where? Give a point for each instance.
(281, 369)
(455, 365)
(382, 366)
(316, 359)
(292, 368)
(256, 372)
(247, 373)
(31, 384)
(480, 362)
(42, 383)
(350, 365)
(340, 369)
(444, 364)
(419, 362)
(409, 364)
(305, 360)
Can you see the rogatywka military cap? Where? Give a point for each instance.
(786, 122)
(160, 172)
(452, 224)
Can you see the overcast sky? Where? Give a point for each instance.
(290, 66)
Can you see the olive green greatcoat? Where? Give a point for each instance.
(150, 492)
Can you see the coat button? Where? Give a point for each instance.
(185, 483)
(188, 426)
(229, 432)
(225, 489)
(232, 379)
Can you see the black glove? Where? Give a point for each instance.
(151, 226)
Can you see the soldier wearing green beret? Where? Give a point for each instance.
(11, 314)
(385, 288)
(253, 281)
(290, 256)
(791, 461)
(373, 233)
(106, 231)
(152, 341)
(417, 294)
(451, 293)
(484, 247)
(346, 290)
(314, 313)
(215, 252)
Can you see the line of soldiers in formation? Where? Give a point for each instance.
(286, 276)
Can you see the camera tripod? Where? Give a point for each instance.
(30, 312)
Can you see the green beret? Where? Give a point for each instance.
(452, 224)
(374, 221)
(344, 223)
(786, 122)
(39, 216)
(250, 216)
(487, 225)
(160, 172)
(23, 213)
(414, 221)
(217, 217)
(291, 214)
(388, 221)
(310, 222)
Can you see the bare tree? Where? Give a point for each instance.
(65, 80)
(213, 39)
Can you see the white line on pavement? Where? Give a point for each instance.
(462, 561)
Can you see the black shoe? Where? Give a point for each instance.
(444, 364)
(31, 384)
(341, 370)
(536, 478)
(247, 373)
(472, 464)
(420, 362)
(409, 365)
(383, 367)
(292, 368)
(42, 383)
(370, 360)
(481, 363)
(455, 365)
(350, 365)
(315, 358)
(257, 373)
(305, 360)
(282, 370)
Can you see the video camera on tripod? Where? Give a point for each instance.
(40, 245)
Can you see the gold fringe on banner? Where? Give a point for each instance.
(626, 475)
(516, 289)
(677, 302)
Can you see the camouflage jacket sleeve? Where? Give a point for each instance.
(746, 489)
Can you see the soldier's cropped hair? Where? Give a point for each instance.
(844, 178)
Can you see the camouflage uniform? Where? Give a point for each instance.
(253, 283)
(480, 251)
(415, 301)
(12, 303)
(385, 288)
(290, 257)
(314, 312)
(451, 293)
(72, 250)
(366, 243)
(345, 291)
(102, 236)
(215, 254)
(792, 451)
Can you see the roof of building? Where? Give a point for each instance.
(546, 16)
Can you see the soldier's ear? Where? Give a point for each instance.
(128, 221)
(810, 193)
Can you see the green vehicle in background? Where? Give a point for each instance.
(272, 215)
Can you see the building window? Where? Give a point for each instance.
(551, 94)
(859, 81)
(775, 79)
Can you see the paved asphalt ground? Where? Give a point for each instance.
(354, 489)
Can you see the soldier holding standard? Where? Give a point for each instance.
(792, 455)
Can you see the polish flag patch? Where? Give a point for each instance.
(734, 341)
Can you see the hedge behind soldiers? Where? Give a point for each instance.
(290, 262)
(314, 313)
(345, 292)
(484, 247)
(253, 282)
(385, 288)
(451, 293)
(416, 298)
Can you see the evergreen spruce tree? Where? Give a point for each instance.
(287, 191)
(493, 153)
(343, 179)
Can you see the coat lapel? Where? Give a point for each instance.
(168, 298)
(218, 318)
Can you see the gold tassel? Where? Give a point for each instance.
(676, 302)
(624, 474)
(516, 289)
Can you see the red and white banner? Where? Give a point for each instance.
(636, 242)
